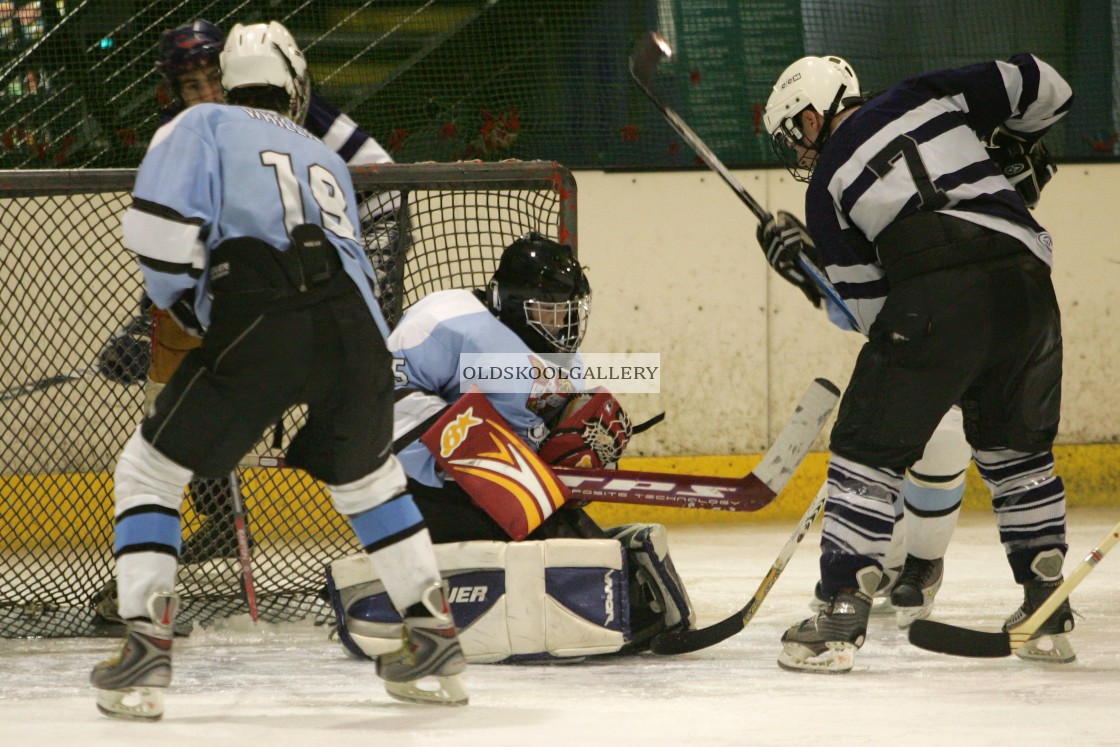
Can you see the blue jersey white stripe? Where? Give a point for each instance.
(429, 340)
(917, 148)
(285, 176)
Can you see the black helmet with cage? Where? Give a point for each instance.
(541, 293)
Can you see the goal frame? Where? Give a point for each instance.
(59, 554)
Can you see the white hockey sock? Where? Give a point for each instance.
(139, 575)
(930, 511)
(406, 567)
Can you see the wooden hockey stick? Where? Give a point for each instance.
(750, 493)
(647, 54)
(949, 639)
(243, 552)
(685, 641)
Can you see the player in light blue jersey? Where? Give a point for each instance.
(188, 60)
(536, 305)
(934, 249)
(244, 224)
(442, 327)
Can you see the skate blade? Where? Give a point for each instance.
(904, 616)
(1049, 649)
(837, 658)
(133, 704)
(882, 606)
(449, 692)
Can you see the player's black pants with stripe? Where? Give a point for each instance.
(265, 352)
(970, 318)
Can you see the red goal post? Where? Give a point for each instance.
(72, 364)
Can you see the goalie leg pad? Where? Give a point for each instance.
(657, 594)
(512, 602)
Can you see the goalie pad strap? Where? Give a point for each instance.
(658, 599)
(524, 601)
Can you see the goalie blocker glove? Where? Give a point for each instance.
(1026, 165)
(782, 239)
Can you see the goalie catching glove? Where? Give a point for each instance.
(782, 239)
(592, 431)
(1026, 165)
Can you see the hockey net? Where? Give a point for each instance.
(74, 351)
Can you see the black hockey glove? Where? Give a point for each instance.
(182, 311)
(1026, 165)
(782, 239)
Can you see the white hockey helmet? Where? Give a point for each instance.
(266, 54)
(824, 83)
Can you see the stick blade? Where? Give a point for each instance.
(647, 54)
(674, 642)
(793, 443)
(949, 639)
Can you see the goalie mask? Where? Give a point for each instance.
(266, 54)
(542, 294)
(828, 85)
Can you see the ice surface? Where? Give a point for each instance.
(280, 685)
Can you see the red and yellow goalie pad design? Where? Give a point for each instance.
(478, 449)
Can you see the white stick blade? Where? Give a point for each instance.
(793, 443)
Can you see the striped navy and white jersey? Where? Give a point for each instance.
(918, 147)
(427, 345)
(218, 172)
(334, 128)
(355, 147)
(342, 134)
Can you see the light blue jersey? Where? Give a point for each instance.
(218, 172)
(426, 347)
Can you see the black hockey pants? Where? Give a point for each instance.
(971, 318)
(285, 330)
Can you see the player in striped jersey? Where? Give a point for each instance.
(937, 255)
(929, 502)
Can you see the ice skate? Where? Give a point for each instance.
(130, 685)
(430, 648)
(1050, 643)
(827, 642)
(881, 603)
(913, 594)
(107, 621)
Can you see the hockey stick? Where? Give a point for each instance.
(685, 641)
(750, 493)
(77, 374)
(949, 639)
(243, 553)
(647, 54)
(638, 487)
